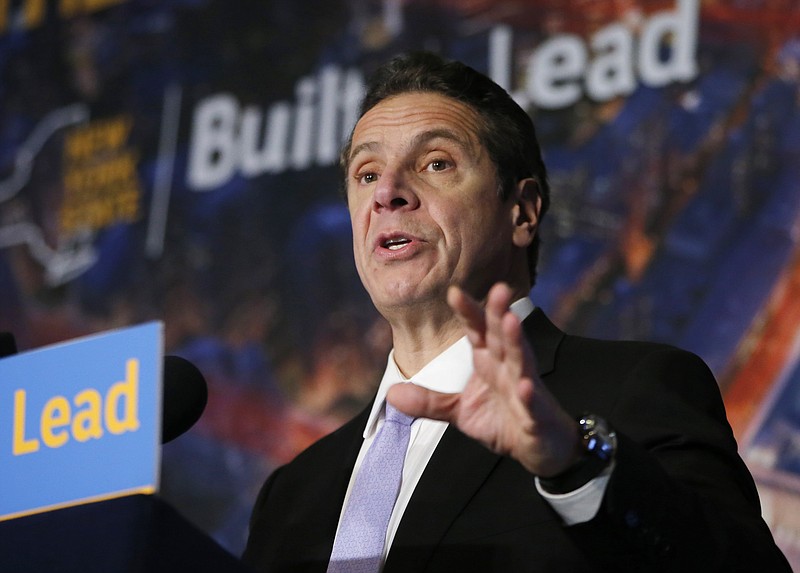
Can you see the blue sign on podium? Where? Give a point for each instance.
(81, 421)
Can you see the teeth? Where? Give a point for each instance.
(395, 244)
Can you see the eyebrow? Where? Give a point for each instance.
(441, 133)
(368, 146)
(418, 141)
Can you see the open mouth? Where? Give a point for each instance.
(395, 243)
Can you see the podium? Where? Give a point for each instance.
(132, 534)
(80, 458)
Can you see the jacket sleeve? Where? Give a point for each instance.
(680, 497)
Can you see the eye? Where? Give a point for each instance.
(367, 178)
(438, 165)
(365, 173)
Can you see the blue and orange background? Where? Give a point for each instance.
(176, 160)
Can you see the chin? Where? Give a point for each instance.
(408, 296)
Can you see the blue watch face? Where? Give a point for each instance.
(598, 439)
(603, 449)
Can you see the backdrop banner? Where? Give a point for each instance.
(177, 161)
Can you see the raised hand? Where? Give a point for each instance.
(504, 405)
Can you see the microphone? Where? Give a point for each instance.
(7, 344)
(185, 397)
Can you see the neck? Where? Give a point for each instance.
(421, 336)
(423, 331)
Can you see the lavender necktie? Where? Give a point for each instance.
(358, 547)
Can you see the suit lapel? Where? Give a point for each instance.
(318, 513)
(439, 498)
(545, 338)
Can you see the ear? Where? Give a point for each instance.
(525, 212)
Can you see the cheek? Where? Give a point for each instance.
(467, 223)
(360, 255)
(361, 246)
(359, 225)
(481, 232)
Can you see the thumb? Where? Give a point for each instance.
(423, 403)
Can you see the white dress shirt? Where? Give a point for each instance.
(449, 372)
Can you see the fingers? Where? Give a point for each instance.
(513, 344)
(497, 312)
(492, 326)
(423, 403)
(470, 313)
(479, 321)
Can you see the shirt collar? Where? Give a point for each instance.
(449, 372)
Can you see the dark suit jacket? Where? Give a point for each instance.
(680, 498)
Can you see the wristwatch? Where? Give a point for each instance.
(597, 437)
(599, 443)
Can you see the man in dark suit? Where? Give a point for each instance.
(531, 450)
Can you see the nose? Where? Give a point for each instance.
(394, 192)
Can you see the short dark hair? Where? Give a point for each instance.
(507, 131)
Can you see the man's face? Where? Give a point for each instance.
(423, 198)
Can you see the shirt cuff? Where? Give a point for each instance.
(582, 504)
